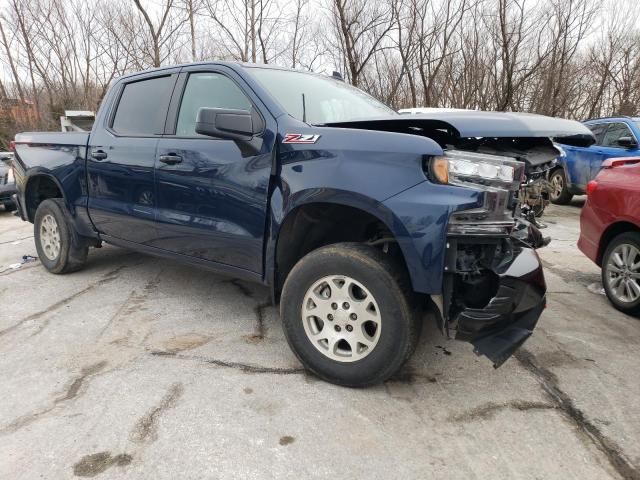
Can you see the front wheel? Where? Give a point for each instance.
(53, 237)
(347, 314)
(621, 272)
(559, 192)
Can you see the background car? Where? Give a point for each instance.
(610, 230)
(7, 182)
(615, 137)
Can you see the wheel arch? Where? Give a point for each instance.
(317, 218)
(611, 232)
(39, 187)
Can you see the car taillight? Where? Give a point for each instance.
(12, 146)
(619, 162)
(591, 187)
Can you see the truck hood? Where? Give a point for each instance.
(476, 124)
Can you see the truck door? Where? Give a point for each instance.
(212, 197)
(121, 157)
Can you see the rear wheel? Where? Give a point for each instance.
(621, 272)
(559, 193)
(347, 315)
(10, 207)
(53, 238)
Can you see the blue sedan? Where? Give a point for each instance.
(615, 137)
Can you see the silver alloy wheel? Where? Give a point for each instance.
(622, 273)
(50, 237)
(557, 184)
(341, 318)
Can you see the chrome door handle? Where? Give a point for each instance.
(170, 159)
(98, 155)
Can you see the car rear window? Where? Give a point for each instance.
(142, 108)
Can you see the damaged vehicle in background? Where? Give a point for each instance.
(7, 182)
(359, 219)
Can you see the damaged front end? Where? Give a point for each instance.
(493, 286)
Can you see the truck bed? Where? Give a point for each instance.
(78, 139)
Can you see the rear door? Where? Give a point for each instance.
(212, 197)
(121, 158)
(610, 147)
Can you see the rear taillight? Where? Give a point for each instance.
(619, 162)
(591, 187)
(12, 146)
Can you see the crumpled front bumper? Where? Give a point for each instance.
(499, 328)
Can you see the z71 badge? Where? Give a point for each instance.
(300, 138)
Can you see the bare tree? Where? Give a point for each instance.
(361, 26)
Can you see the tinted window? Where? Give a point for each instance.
(211, 90)
(614, 132)
(142, 108)
(598, 130)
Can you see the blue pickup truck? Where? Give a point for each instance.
(578, 165)
(360, 220)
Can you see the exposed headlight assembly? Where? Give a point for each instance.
(499, 177)
(463, 168)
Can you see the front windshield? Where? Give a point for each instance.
(326, 100)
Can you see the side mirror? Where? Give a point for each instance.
(627, 142)
(240, 126)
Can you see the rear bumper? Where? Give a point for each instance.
(499, 328)
(7, 192)
(591, 229)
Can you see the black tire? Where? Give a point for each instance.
(388, 284)
(10, 207)
(69, 258)
(629, 238)
(561, 196)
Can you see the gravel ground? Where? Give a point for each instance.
(137, 367)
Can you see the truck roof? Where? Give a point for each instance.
(219, 63)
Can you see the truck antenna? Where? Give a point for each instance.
(304, 110)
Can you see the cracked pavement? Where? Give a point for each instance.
(138, 367)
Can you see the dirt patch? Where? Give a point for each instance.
(286, 440)
(92, 465)
(244, 367)
(242, 288)
(146, 429)
(558, 358)
(184, 342)
(86, 372)
(410, 376)
(489, 410)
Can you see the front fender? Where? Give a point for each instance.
(423, 213)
